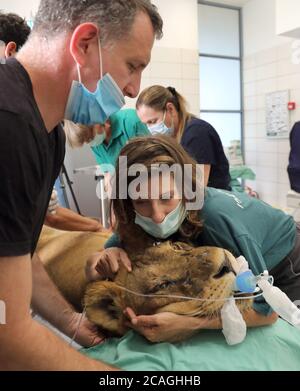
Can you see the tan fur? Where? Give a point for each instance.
(164, 269)
(167, 269)
(64, 255)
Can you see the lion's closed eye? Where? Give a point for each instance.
(186, 280)
(161, 286)
(179, 246)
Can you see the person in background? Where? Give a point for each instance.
(66, 219)
(14, 32)
(107, 140)
(96, 45)
(164, 111)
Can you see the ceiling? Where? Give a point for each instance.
(235, 3)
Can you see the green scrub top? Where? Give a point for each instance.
(249, 227)
(245, 226)
(125, 125)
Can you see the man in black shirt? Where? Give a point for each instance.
(34, 90)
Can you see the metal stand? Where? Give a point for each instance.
(104, 202)
(70, 184)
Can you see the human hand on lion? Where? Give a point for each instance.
(105, 264)
(167, 326)
(87, 335)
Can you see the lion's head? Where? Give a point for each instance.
(175, 269)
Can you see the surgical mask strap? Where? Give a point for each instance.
(100, 64)
(79, 73)
(101, 60)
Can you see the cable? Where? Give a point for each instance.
(78, 326)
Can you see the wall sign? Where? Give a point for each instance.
(278, 115)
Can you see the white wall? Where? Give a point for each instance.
(175, 60)
(268, 67)
(259, 24)
(287, 17)
(180, 23)
(26, 8)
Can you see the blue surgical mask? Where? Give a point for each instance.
(90, 108)
(168, 227)
(161, 128)
(98, 140)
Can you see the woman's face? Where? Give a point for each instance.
(149, 116)
(157, 209)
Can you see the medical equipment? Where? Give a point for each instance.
(99, 176)
(234, 326)
(78, 326)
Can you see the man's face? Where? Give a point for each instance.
(126, 60)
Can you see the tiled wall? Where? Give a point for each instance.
(264, 72)
(177, 68)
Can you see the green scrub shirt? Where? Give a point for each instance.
(125, 125)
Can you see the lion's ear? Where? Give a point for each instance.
(103, 304)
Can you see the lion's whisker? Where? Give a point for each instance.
(186, 297)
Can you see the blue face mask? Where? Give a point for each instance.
(168, 227)
(161, 128)
(98, 140)
(90, 108)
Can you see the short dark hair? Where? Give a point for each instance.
(13, 28)
(115, 17)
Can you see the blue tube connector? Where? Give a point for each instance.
(245, 282)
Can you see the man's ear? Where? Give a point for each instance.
(11, 49)
(83, 38)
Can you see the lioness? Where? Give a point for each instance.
(167, 268)
(175, 269)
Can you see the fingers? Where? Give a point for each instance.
(125, 260)
(106, 267)
(145, 325)
(106, 264)
(131, 315)
(148, 321)
(90, 268)
(53, 204)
